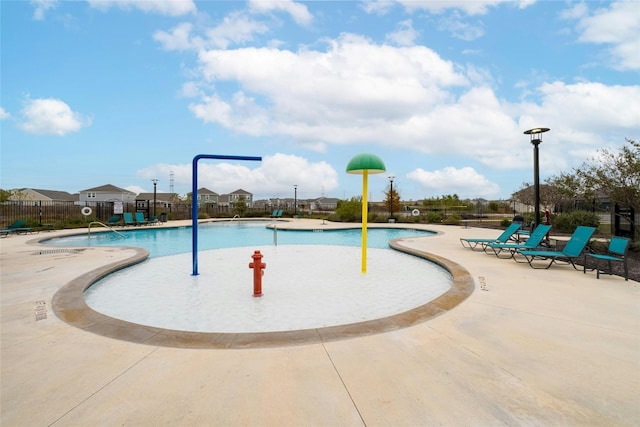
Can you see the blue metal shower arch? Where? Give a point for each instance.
(194, 199)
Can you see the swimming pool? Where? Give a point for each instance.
(229, 234)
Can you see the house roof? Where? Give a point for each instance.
(108, 188)
(53, 194)
(241, 191)
(206, 191)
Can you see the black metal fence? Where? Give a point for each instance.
(61, 214)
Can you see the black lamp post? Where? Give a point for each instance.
(536, 139)
(391, 196)
(155, 182)
(295, 200)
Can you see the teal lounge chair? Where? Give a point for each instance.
(572, 250)
(113, 221)
(616, 252)
(274, 213)
(140, 219)
(534, 240)
(153, 220)
(503, 238)
(277, 214)
(128, 218)
(17, 227)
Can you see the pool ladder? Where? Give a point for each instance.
(104, 225)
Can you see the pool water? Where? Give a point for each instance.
(229, 234)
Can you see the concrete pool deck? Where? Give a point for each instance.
(527, 347)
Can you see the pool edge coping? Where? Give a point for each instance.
(68, 304)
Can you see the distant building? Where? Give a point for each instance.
(163, 200)
(207, 197)
(323, 204)
(38, 195)
(234, 197)
(106, 193)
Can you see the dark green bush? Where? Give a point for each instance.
(454, 219)
(567, 222)
(434, 218)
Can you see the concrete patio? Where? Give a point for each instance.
(527, 347)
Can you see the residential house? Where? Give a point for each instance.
(323, 204)
(240, 194)
(38, 195)
(163, 200)
(106, 193)
(207, 197)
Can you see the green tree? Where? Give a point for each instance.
(615, 173)
(241, 206)
(350, 210)
(392, 200)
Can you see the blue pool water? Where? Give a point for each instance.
(218, 235)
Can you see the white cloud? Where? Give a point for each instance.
(273, 177)
(41, 7)
(298, 12)
(51, 116)
(461, 29)
(179, 38)
(465, 182)
(475, 7)
(406, 98)
(617, 27)
(405, 35)
(235, 28)
(4, 115)
(162, 7)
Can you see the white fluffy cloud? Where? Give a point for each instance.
(51, 116)
(617, 27)
(298, 12)
(162, 7)
(358, 92)
(275, 176)
(4, 114)
(465, 182)
(41, 7)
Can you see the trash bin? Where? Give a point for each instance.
(163, 217)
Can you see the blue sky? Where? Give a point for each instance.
(122, 92)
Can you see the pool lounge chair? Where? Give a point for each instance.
(277, 214)
(572, 250)
(113, 221)
(534, 240)
(127, 217)
(17, 227)
(616, 252)
(140, 219)
(503, 238)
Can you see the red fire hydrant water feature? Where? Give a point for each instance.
(258, 270)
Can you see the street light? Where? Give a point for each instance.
(391, 197)
(295, 200)
(155, 182)
(536, 139)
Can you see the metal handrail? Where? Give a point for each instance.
(104, 225)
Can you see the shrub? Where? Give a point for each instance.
(505, 222)
(434, 217)
(454, 219)
(567, 222)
